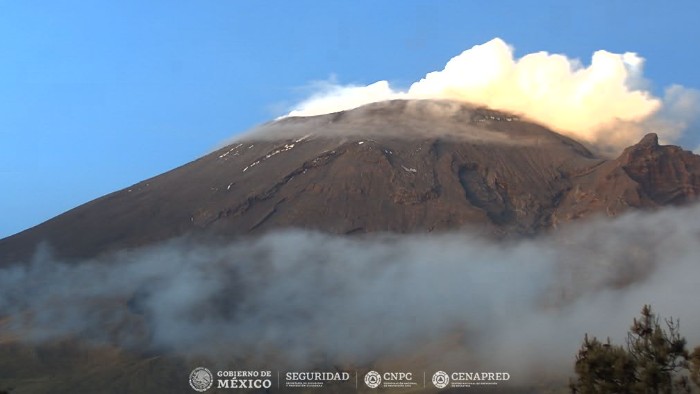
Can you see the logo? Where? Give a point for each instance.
(470, 379)
(373, 379)
(201, 379)
(244, 379)
(390, 379)
(315, 379)
(441, 379)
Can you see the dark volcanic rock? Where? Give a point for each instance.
(666, 174)
(399, 166)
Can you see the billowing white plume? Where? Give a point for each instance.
(607, 103)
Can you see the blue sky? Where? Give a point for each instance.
(95, 96)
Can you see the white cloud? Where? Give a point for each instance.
(333, 98)
(607, 102)
(298, 298)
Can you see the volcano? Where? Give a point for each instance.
(141, 290)
(403, 166)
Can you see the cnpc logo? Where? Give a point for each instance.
(374, 379)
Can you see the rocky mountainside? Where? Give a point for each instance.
(398, 166)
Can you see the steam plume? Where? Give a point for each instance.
(605, 103)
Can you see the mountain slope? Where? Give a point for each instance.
(398, 166)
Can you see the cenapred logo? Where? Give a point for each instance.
(441, 379)
(201, 379)
(373, 379)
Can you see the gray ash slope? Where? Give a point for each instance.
(398, 166)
